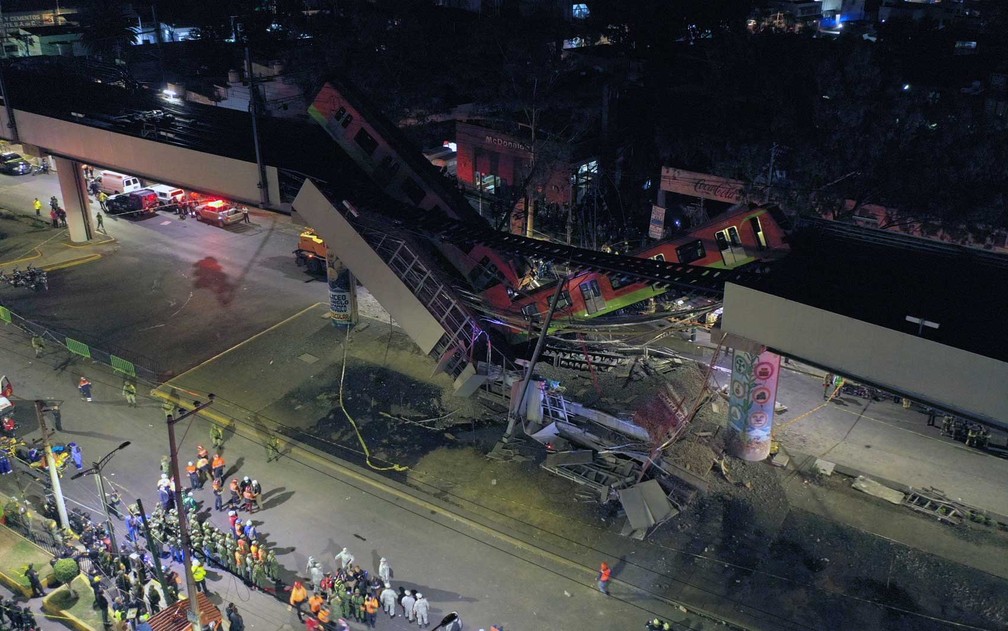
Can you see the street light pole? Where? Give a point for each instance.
(51, 462)
(96, 470)
(183, 523)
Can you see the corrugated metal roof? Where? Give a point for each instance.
(173, 618)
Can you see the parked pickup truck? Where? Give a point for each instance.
(219, 212)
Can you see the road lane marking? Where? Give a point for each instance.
(244, 342)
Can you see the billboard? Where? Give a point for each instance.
(656, 229)
(751, 399)
(704, 185)
(342, 293)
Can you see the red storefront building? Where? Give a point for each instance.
(496, 164)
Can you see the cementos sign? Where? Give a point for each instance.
(703, 185)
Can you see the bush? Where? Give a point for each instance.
(65, 571)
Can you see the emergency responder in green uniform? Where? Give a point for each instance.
(216, 436)
(129, 391)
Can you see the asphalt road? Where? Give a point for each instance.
(175, 292)
(310, 512)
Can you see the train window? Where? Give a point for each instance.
(619, 281)
(413, 191)
(658, 257)
(722, 240)
(340, 113)
(366, 141)
(733, 236)
(757, 229)
(485, 275)
(692, 251)
(564, 301)
(531, 311)
(346, 121)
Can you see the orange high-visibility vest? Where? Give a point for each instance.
(217, 462)
(315, 603)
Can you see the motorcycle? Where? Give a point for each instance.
(42, 168)
(33, 277)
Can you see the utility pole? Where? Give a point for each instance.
(254, 110)
(51, 462)
(150, 546)
(183, 522)
(518, 410)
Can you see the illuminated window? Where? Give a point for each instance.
(580, 11)
(583, 178)
(758, 234)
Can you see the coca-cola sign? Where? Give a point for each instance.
(703, 185)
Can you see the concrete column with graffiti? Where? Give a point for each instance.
(342, 292)
(752, 396)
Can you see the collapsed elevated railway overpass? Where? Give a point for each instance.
(839, 301)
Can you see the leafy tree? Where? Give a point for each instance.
(65, 571)
(107, 28)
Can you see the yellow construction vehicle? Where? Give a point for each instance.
(311, 252)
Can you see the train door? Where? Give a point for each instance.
(730, 245)
(594, 301)
(758, 234)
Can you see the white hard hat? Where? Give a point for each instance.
(190, 463)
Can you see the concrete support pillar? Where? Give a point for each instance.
(752, 396)
(75, 200)
(342, 292)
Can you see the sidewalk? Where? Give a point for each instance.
(879, 439)
(54, 251)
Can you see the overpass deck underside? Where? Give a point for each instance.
(916, 317)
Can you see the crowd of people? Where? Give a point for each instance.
(125, 591)
(20, 618)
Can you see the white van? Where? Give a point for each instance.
(114, 183)
(168, 196)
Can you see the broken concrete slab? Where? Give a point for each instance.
(823, 467)
(873, 488)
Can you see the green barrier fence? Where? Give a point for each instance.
(80, 348)
(121, 365)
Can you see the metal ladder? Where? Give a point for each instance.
(596, 475)
(933, 502)
(459, 326)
